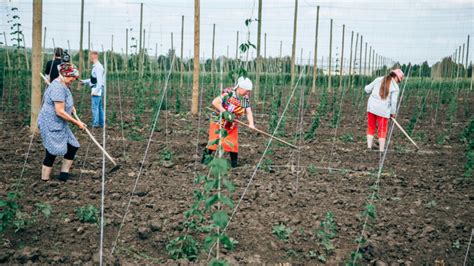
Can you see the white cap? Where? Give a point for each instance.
(244, 83)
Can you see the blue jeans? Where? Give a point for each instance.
(97, 112)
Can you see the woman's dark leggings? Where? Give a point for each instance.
(70, 154)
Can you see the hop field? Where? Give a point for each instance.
(323, 199)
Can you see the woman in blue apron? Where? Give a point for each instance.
(56, 112)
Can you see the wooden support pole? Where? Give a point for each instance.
(181, 65)
(341, 65)
(256, 90)
(112, 50)
(293, 47)
(365, 60)
(373, 63)
(81, 52)
(315, 60)
(376, 65)
(213, 57)
(281, 45)
(88, 42)
(360, 54)
(143, 50)
(195, 94)
(370, 58)
(44, 39)
(237, 47)
(140, 53)
(126, 49)
(467, 54)
(355, 55)
(330, 57)
(350, 58)
(36, 62)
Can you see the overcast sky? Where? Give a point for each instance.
(404, 30)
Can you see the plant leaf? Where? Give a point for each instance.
(220, 219)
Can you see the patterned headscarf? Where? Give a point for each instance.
(68, 70)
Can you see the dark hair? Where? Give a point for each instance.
(66, 57)
(385, 86)
(58, 52)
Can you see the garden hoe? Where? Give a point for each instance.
(261, 132)
(116, 166)
(405, 133)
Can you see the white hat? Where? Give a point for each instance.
(244, 83)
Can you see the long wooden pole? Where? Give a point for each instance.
(126, 50)
(376, 65)
(315, 60)
(96, 142)
(360, 54)
(256, 90)
(36, 62)
(467, 54)
(404, 132)
(213, 61)
(81, 52)
(44, 39)
(140, 53)
(237, 47)
(355, 56)
(365, 60)
(330, 58)
(88, 42)
(195, 94)
(350, 58)
(293, 46)
(373, 63)
(181, 82)
(281, 45)
(341, 67)
(112, 54)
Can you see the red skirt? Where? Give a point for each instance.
(229, 143)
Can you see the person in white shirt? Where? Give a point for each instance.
(96, 82)
(382, 105)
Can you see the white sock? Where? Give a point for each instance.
(381, 144)
(370, 140)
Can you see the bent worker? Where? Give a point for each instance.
(58, 106)
(96, 82)
(382, 105)
(233, 103)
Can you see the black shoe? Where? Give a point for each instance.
(376, 144)
(63, 176)
(233, 159)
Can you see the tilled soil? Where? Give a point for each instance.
(424, 210)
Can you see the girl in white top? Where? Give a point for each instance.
(382, 105)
